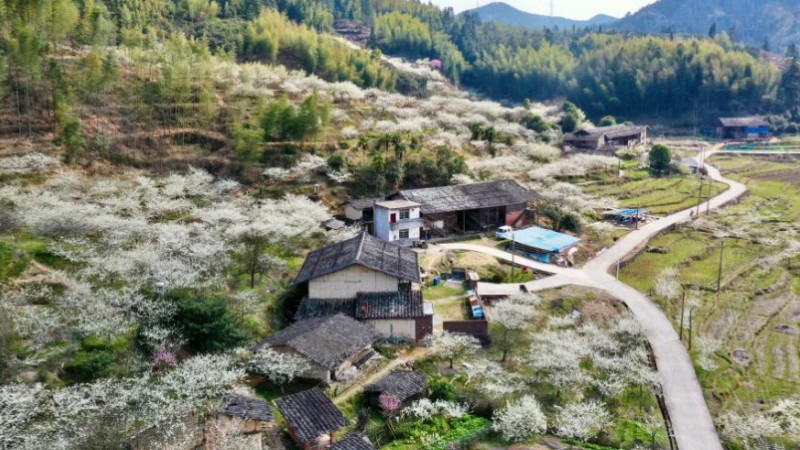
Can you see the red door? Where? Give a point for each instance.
(393, 218)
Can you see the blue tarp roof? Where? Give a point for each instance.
(542, 239)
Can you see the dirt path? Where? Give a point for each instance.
(417, 353)
(687, 408)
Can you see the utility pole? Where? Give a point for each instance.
(719, 270)
(691, 326)
(708, 204)
(700, 196)
(683, 309)
(513, 251)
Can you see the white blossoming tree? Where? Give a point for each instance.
(451, 346)
(278, 367)
(581, 421)
(512, 317)
(520, 419)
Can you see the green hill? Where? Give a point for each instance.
(745, 20)
(504, 13)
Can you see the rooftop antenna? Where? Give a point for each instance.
(552, 8)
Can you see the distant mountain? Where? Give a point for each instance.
(749, 21)
(504, 13)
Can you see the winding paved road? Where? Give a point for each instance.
(691, 420)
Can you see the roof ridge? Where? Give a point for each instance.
(361, 246)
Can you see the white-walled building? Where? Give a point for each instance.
(398, 221)
(376, 282)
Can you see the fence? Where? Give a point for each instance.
(476, 328)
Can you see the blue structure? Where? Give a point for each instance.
(540, 243)
(475, 305)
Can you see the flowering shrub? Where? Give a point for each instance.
(425, 409)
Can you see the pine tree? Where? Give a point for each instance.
(789, 91)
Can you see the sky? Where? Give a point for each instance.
(573, 9)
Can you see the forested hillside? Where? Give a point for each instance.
(770, 23)
(57, 56)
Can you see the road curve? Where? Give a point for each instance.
(691, 419)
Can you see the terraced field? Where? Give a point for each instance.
(660, 195)
(746, 337)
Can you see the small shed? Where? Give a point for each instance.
(404, 385)
(333, 224)
(353, 441)
(540, 243)
(360, 209)
(312, 419)
(691, 163)
(247, 415)
(627, 216)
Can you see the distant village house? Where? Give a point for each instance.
(606, 138)
(422, 214)
(743, 128)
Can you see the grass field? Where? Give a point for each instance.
(660, 195)
(755, 315)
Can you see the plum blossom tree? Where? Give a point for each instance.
(512, 317)
(490, 377)
(278, 367)
(451, 346)
(667, 284)
(32, 417)
(581, 421)
(520, 419)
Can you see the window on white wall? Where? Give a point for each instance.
(403, 234)
(404, 214)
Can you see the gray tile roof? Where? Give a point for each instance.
(469, 196)
(611, 132)
(248, 408)
(400, 383)
(333, 224)
(353, 441)
(364, 250)
(323, 307)
(389, 305)
(310, 414)
(327, 341)
(364, 203)
(743, 122)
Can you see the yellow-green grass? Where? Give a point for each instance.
(659, 195)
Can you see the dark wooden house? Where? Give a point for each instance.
(606, 138)
(743, 128)
(471, 207)
(331, 345)
(312, 419)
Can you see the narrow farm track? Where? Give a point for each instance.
(691, 420)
